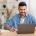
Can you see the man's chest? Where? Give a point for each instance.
(22, 20)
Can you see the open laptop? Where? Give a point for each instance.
(25, 28)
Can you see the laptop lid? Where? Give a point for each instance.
(26, 28)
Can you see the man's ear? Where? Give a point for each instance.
(18, 7)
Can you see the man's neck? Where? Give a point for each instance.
(22, 16)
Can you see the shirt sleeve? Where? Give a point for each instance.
(33, 20)
(9, 22)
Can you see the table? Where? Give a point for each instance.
(8, 33)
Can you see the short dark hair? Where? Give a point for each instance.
(22, 4)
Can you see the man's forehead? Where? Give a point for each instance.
(22, 7)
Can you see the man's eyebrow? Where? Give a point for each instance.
(22, 9)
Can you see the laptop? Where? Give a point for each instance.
(25, 28)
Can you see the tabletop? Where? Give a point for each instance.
(8, 33)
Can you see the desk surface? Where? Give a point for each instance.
(8, 33)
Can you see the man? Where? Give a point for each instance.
(20, 18)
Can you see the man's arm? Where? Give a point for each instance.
(9, 25)
(33, 20)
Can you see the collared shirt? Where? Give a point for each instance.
(22, 19)
(15, 20)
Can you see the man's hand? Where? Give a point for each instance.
(12, 29)
(7, 27)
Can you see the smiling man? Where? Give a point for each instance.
(21, 18)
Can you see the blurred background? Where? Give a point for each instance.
(9, 8)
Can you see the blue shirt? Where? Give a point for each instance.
(15, 20)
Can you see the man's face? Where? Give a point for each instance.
(22, 10)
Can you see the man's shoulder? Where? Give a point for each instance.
(29, 15)
(15, 17)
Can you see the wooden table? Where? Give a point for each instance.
(8, 33)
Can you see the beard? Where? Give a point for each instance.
(22, 14)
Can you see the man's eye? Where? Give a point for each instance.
(24, 9)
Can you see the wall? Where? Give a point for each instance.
(13, 4)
